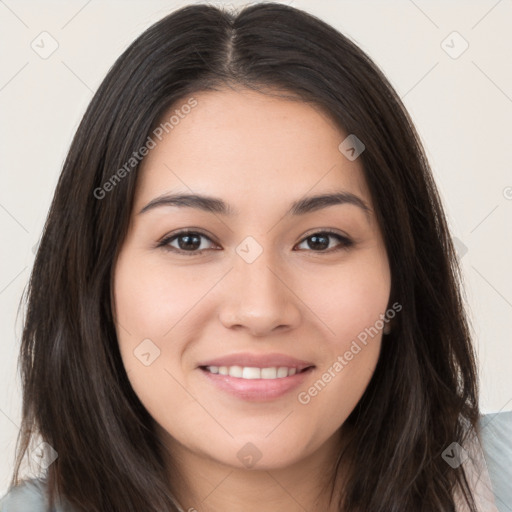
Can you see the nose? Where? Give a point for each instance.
(259, 298)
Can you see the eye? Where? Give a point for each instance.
(189, 242)
(320, 241)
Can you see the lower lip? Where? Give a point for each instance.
(258, 390)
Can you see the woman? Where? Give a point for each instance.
(246, 292)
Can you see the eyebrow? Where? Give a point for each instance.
(218, 206)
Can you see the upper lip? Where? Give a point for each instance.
(258, 361)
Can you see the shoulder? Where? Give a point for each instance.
(487, 461)
(29, 496)
(496, 443)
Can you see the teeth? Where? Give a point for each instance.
(250, 373)
(282, 372)
(235, 371)
(268, 373)
(247, 372)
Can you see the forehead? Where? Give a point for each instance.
(241, 141)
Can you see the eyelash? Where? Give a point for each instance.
(346, 242)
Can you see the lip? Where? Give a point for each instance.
(257, 390)
(258, 361)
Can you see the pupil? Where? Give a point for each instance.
(193, 242)
(318, 245)
(188, 244)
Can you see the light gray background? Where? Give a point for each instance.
(462, 108)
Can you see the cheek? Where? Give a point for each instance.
(350, 299)
(349, 358)
(149, 302)
(151, 298)
(351, 303)
(143, 295)
(337, 388)
(153, 306)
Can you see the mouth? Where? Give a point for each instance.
(256, 373)
(254, 384)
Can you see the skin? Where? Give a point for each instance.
(259, 154)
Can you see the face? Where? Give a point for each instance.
(278, 290)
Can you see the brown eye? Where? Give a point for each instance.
(191, 243)
(321, 241)
(187, 242)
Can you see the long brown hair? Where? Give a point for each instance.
(76, 394)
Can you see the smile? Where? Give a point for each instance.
(255, 384)
(248, 372)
